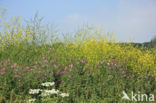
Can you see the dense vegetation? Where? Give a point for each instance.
(88, 65)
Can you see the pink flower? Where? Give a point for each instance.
(55, 55)
(62, 80)
(69, 76)
(71, 65)
(58, 72)
(16, 70)
(121, 69)
(61, 72)
(43, 57)
(52, 73)
(46, 61)
(26, 68)
(6, 62)
(108, 64)
(115, 64)
(11, 66)
(3, 72)
(82, 61)
(35, 67)
(113, 59)
(55, 66)
(65, 68)
(15, 64)
(36, 62)
(2, 69)
(99, 66)
(42, 66)
(18, 73)
(133, 76)
(98, 63)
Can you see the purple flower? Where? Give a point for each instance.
(115, 64)
(82, 61)
(121, 69)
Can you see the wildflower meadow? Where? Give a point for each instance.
(39, 65)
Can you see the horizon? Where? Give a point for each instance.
(128, 20)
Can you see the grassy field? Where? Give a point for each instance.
(85, 67)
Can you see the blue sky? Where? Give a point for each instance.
(127, 19)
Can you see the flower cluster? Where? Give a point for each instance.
(47, 84)
(49, 92)
(45, 93)
(34, 91)
(31, 100)
(64, 94)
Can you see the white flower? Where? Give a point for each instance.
(47, 84)
(53, 91)
(31, 100)
(34, 91)
(64, 94)
(49, 92)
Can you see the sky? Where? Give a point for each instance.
(133, 20)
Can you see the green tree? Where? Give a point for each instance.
(153, 42)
